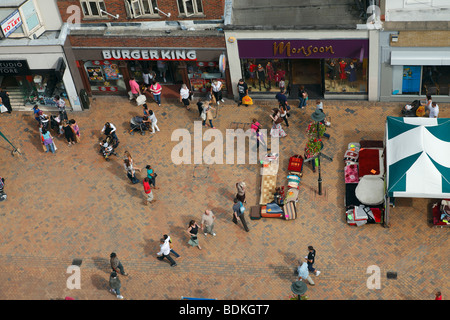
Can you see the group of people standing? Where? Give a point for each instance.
(64, 126)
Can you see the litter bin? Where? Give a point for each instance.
(84, 98)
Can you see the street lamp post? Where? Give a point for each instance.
(317, 117)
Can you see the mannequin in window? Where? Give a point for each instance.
(261, 73)
(342, 73)
(351, 71)
(270, 74)
(252, 70)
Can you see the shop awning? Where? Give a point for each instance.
(420, 58)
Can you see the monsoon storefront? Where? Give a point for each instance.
(325, 66)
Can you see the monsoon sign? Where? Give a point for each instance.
(11, 23)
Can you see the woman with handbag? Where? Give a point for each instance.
(76, 130)
(277, 131)
(284, 113)
(207, 115)
(184, 95)
(131, 173)
(192, 231)
(216, 89)
(151, 175)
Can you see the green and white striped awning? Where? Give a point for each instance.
(418, 157)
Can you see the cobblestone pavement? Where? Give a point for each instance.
(75, 205)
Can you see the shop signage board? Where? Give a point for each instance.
(11, 23)
(303, 49)
(14, 67)
(150, 54)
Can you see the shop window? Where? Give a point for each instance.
(201, 74)
(343, 75)
(262, 75)
(93, 8)
(436, 80)
(139, 8)
(41, 87)
(411, 80)
(190, 7)
(104, 76)
(32, 23)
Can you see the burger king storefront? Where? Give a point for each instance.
(109, 70)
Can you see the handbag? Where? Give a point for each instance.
(279, 120)
(140, 100)
(3, 108)
(203, 115)
(213, 99)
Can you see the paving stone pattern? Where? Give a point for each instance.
(75, 205)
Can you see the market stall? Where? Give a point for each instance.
(417, 158)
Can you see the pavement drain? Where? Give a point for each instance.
(200, 172)
(391, 275)
(77, 262)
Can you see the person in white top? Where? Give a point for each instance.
(434, 110)
(153, 120)
(216, 89)
(165, 251)
(184, 95)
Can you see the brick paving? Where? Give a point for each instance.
(74, 205)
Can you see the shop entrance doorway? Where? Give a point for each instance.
(308, 73)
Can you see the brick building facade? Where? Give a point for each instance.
(181, 42)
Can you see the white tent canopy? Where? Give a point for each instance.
(418, 157)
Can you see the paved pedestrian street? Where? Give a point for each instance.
(75, 205)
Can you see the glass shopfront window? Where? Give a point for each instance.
(165, 72)
(265, 75)
(436, 80)
(421, 80)
(346, 75)
(201, 74)
(104, 76)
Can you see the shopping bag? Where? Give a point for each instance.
(213, 99)
(3, 108)
(247, 100)
(140, 100)
(420, 112)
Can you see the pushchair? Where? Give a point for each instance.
(2, 185)
(412, 111)
(137, 124)
(107, 147)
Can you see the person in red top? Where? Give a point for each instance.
(148, 191)
(156, 89)
(438, 296)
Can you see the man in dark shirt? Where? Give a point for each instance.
(238, 215)
(310, 260)
(242, 89)
(5, 100)
(116, 265)
(281, 97)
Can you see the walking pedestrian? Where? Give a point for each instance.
(148, 191)
(238, 214)
(438, 296)
(115, 285)
(192, 231)
(434, 110)
(216, 90)
(36, 112)
(153, 121)
(303, 274)
(151, 175)
(255, 127)
(47, 140)
(281, 97)
(242, 90)
(68, 133)
(135, 89)
(310, 259)
(184, 96)
(76, 130)
(116, 265)
(110, 129)
(277, 131)
(164, 252)
(207, 223)
(302, 96)
(156, 90)
(169, 240)
(61, 104)
(240, 195)
(284, 114)
(131, 171)
(207, 114)
(4, 98)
